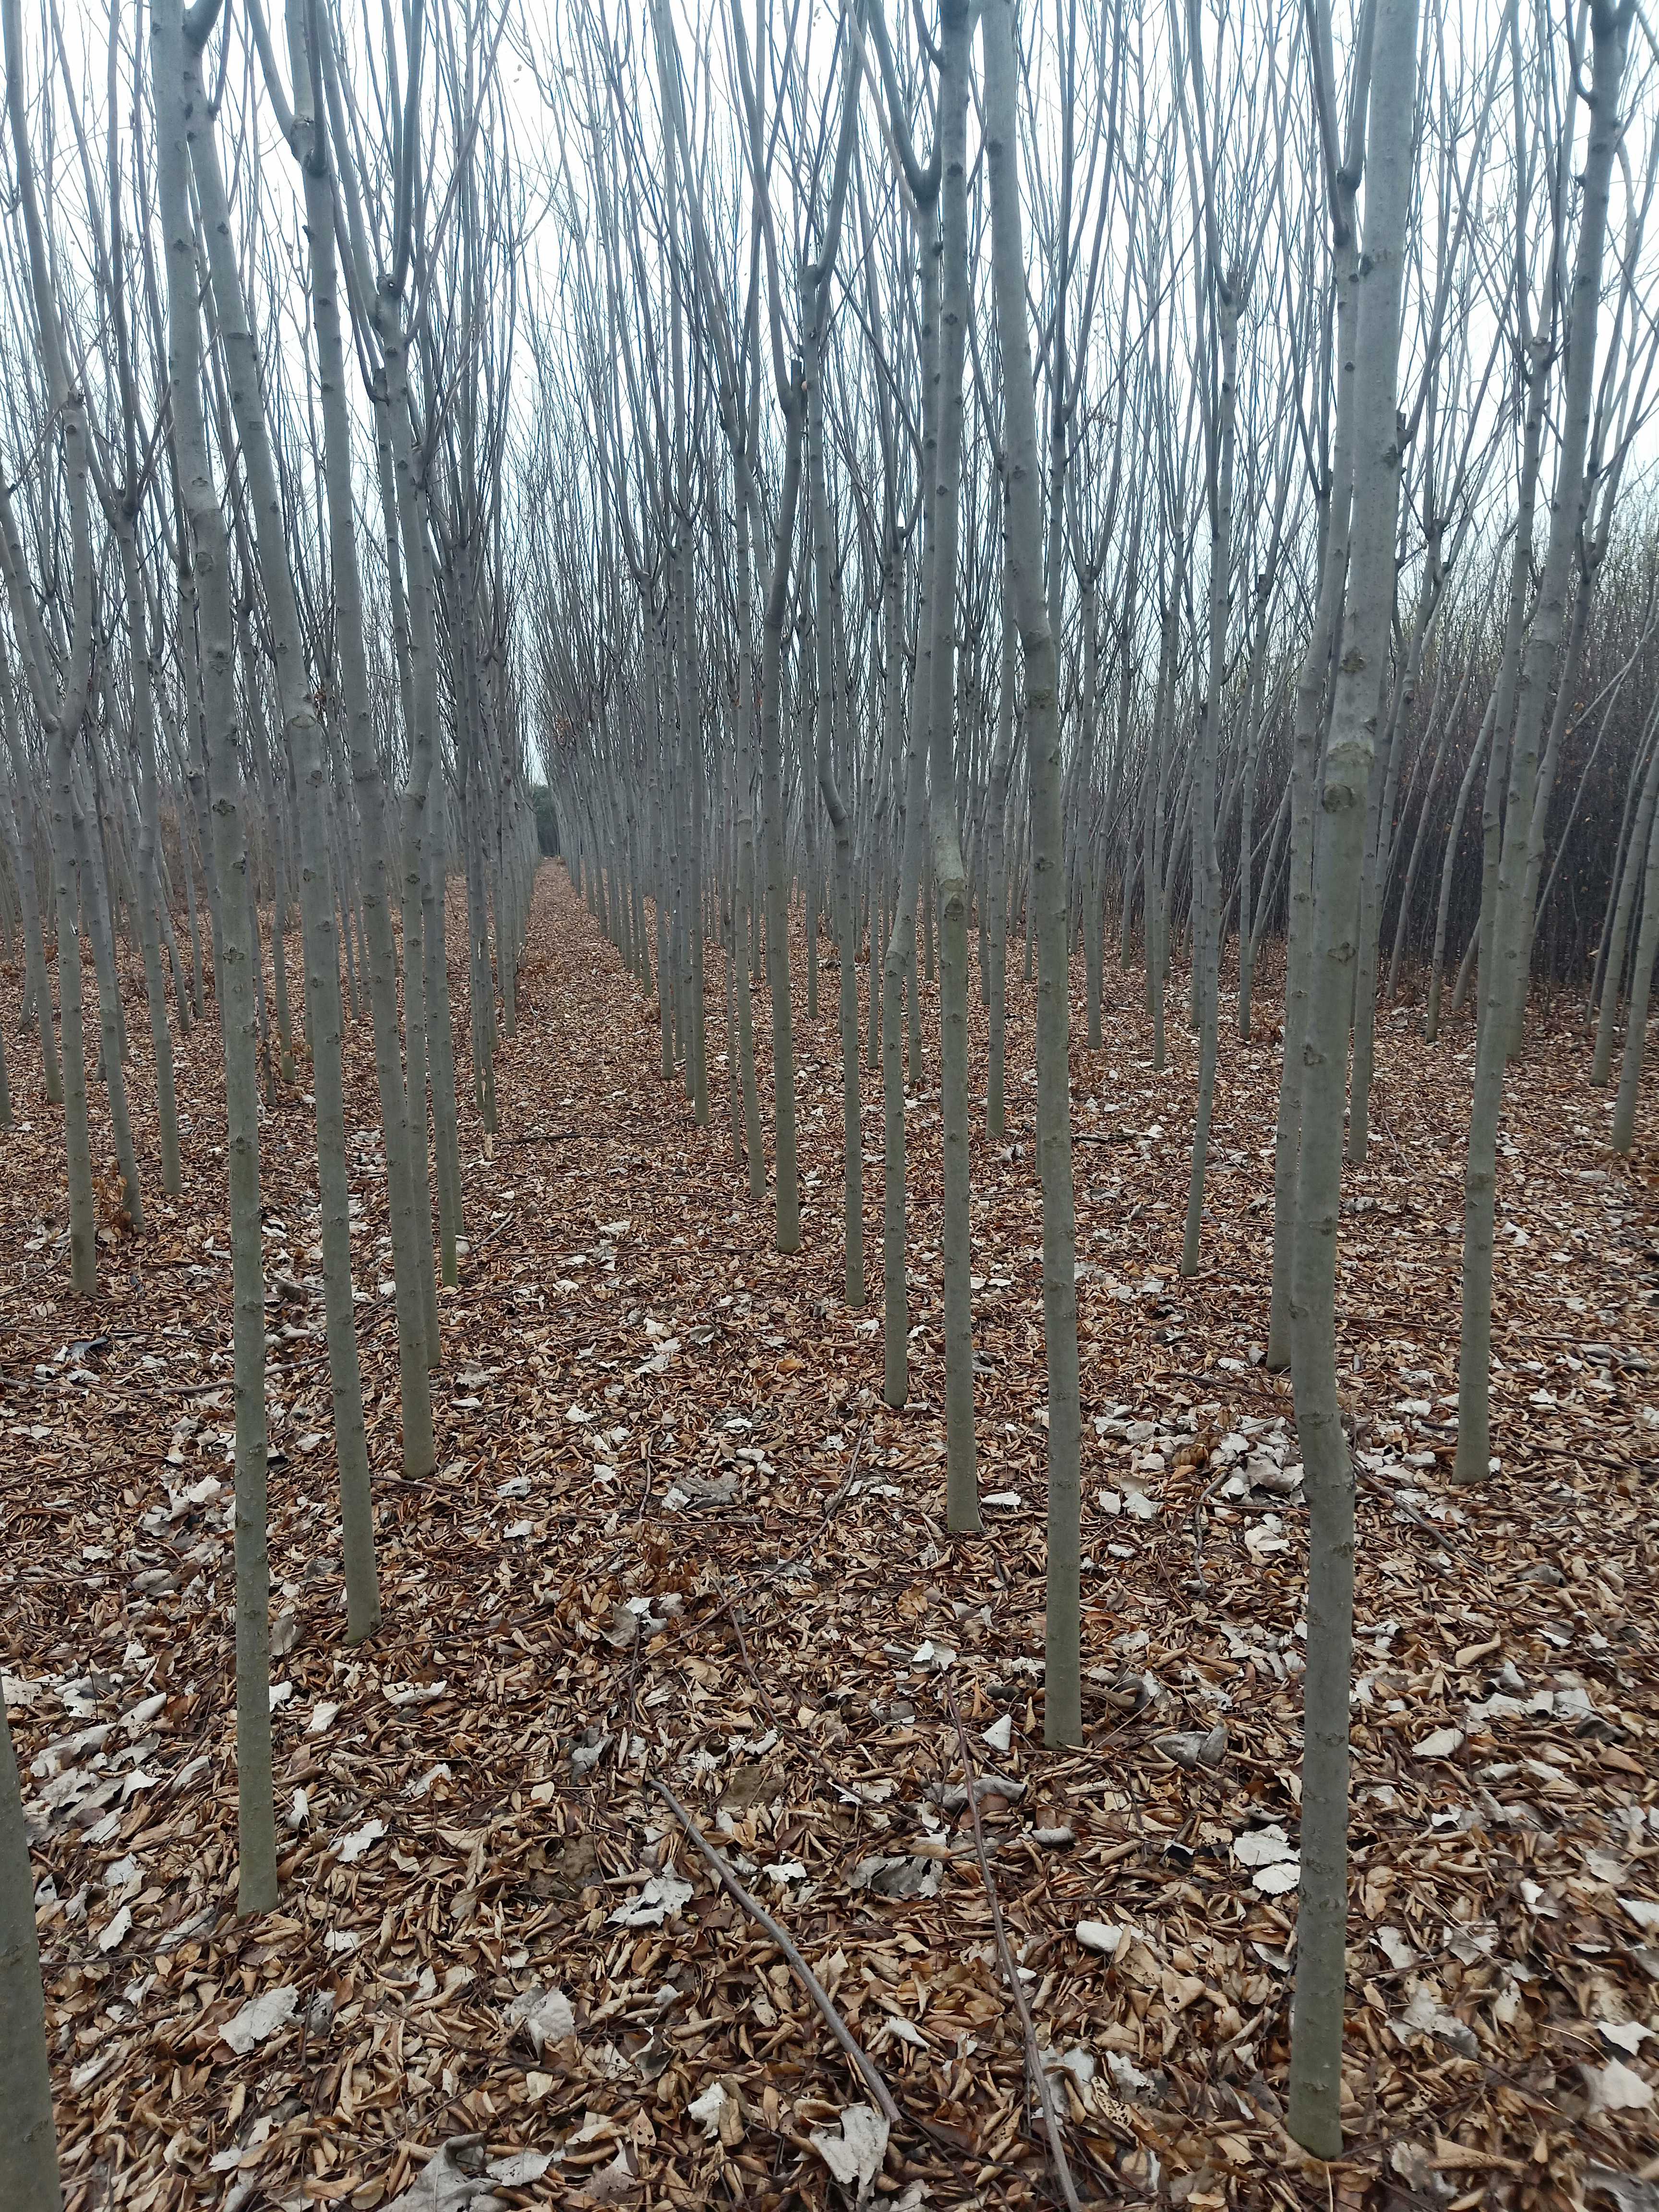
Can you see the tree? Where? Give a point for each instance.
(180, 111)
(1501, 986)
(28, 2143)
(58, 686)
(1315, 2115)
(1062, 1700)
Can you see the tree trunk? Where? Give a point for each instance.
(411, 1241)
(1641, 982)
(777, 881)
(181, 109)
(28, 2142)
(1207, 885)
(1617, 932)
(1062, 1706)
(94, 901)
(1501, 936)
(1310, 691)
(1315, 2089)
(322, 953)
(950, 877)
(996, 886)
(38, 985)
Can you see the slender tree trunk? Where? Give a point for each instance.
(279, 871)
(181, 110)
(426, 971)
(1207, 885)
(1310, 691)
(754, 1143)
(1448, 870)
(1641, 983)
(1315, 2116)
(94, 901)
(777, 882)
(1062, 1707)
(441, 1025)
(1499, 983)
(29, 2141)
(77, 1129)
(949, 877)
(995, 956)
(1617, 933)
(899, 965)
(38, 985)
(840, 821)
(322, 953)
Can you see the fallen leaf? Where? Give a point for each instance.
(660, 1900)
(1616, 2087)
(259, 2018)
(854, 2152)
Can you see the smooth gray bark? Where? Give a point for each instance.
(1310, 695)
(995, 955)
(1315, 2087)
(1499, 961)
(95, 905)
(1641, 983)
(181, 110)
(787, 1195)
(1062, 1703)
(815, 306)
(322, 956)
(61, 706)
(151, 903)
(1617, 932)
(37, 983)
(949, 877)
(411, 1249)
(1207, 885)
(28, 2143)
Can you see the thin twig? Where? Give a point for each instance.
(1198, 1546)
(806, 1743)
(743, 1653)
(874, 2080)
(616, 1767)
(1033, 2055)
(838, 1495)
(1198, 1504)
(785, 1567)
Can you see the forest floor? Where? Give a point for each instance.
(676, 1535)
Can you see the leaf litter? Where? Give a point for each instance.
(522, 1984)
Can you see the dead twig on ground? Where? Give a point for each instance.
(874, 2080)
(787, 1566)
(1033, 2055)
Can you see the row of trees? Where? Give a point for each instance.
(1142, 469)
(1315, 594)
(254, 546)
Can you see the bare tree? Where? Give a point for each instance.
(180, 111)
(1062, 1695)
(58, 686)
(1315, 2115)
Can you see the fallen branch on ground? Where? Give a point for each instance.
(1033, 2055)
(874, 2080)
